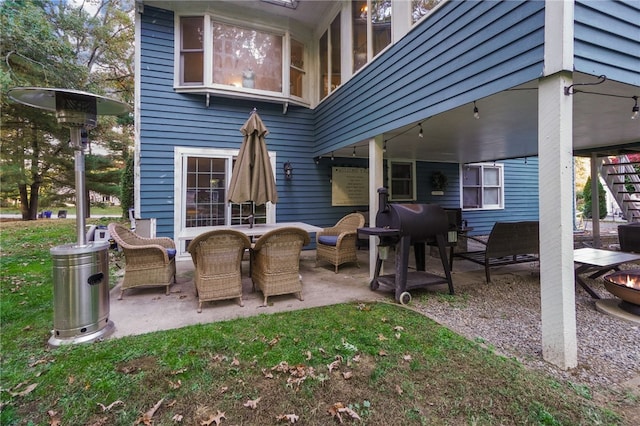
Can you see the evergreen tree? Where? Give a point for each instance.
(602, 201)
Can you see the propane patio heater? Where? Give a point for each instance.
(80, 270)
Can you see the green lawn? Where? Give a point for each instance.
(373, 364)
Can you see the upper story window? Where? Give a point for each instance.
(420, 8)
(192, 50)
(377, 23)
(248, 58)
(223, 57)
(330, 58)
(483, 186)
(402, 180)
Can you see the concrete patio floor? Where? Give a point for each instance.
(146, 310)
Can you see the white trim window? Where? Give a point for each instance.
(202, 178)
(402, 180)
(483, 186)
(234, 58)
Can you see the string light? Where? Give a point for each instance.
(571, 90)
(476, 113)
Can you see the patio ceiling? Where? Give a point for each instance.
(507, 127)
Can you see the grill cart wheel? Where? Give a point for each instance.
(373, 285)
(405, 298)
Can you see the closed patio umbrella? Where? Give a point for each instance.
(252, 177)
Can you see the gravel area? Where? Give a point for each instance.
(505, 315)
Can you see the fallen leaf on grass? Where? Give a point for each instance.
(382, 353)
(252, 403)
(274, 341)
(177, 418)
(223, 389)
(182, 370)
(40, 361)
(398, 335)
(110, 406)
(337, 409)
(347, 375)
(175, 385)
(267, 374)
(235, 362)
(217, 419)
(308, 355)
(398, 390)
(27, 328)
(54, 418)
(26, 391)
(381, 337)
(334, 365)
(398, 328)
(407, 357)
(289, 418)
(147, 418)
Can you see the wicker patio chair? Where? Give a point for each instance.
(217, 257)
(275, 262)
(337, 244)
(149, 262)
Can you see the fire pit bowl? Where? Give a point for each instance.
(626, 286)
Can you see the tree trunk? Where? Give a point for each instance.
(29, 202)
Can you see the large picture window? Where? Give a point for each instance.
(248, 58)
(483, 186)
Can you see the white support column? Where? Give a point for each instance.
(376, 157)
(557, 283)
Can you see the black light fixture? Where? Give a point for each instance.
(354, 152)
(317, 160)
(384, 146)
(420, 133)
(288, 170)
(635, 110)
(332, 157)
(476, 113)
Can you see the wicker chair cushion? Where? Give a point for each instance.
(329, 240)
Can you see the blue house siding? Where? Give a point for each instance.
(520, 195)
(454, 57)
(169, 119)
(601, 51)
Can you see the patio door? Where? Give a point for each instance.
(202, 179)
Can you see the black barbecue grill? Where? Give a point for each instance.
(399, 226)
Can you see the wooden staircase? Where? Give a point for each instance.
(622, 179)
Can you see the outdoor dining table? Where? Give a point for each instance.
(599, 261)
(259, 229)
(262, 228)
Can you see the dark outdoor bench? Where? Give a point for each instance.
(509, 243)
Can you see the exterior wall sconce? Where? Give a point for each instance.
(288, 170)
